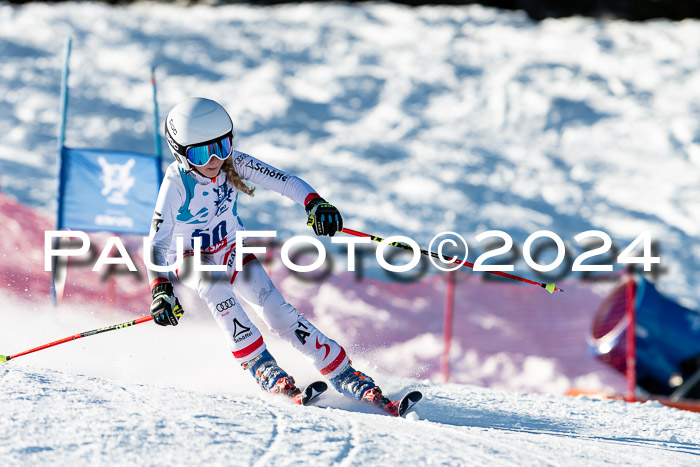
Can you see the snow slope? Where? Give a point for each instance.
(174, 396)
(412, 121)
(51, 417)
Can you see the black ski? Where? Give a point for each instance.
(397, 408)
(312, 391)
(408, 401)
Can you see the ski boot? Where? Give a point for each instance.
(287, 387)
(358, 385)
(274, 379)
(375, 397)
(352, 383)
(268, 374)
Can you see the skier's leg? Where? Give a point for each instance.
(243, 337)
(326, 355)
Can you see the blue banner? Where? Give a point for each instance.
(112, 191)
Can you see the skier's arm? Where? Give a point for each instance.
(323, 217)
(165, 308)
(260, 173)
(162, 227)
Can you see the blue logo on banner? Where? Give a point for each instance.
(111, 191)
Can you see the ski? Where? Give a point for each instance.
(286, 387)
(397, 408)
(311, 392)
(408, 401)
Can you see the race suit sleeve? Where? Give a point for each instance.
(260, 173)
(164, 215)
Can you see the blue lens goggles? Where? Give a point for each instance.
(201, 154)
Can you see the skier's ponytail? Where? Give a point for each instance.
(233, 177)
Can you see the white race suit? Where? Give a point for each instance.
(190, 205)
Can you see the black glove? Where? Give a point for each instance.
(323, 217)
(165, 308)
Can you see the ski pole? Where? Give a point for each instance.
(114, 327)
(551, 288)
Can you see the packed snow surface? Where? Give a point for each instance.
(60, 418)
(411, 121)
(157, 396)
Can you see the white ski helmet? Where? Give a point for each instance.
(196, 130)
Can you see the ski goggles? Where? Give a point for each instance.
(200, 154)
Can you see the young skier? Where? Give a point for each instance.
(198, 198)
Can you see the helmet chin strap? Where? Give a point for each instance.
(201, 174)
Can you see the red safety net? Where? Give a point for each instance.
(518, 337)
(503, 334)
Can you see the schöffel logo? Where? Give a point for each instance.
(225, 305)
(240, 332)
(267, 171)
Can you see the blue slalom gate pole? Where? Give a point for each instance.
(64, 95)
(156, 125)
(63, 111)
